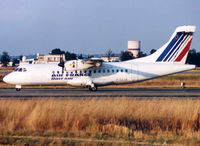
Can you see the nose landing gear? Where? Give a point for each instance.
(18, 87)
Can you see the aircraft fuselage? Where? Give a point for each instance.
(107, 74)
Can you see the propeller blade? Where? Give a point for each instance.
(62, 64)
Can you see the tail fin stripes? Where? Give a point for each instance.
(181, 40)
(185, 50)
(168, 48)
(176, 47)
(175, 50)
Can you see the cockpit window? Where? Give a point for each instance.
(20, 70)
(24, 70)
(16, 69)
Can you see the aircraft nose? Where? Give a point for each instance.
(7, 79)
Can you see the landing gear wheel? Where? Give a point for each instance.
(93, 88)
(18, 89)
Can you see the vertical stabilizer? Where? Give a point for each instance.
(176, 49)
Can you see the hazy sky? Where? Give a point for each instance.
(92, 26)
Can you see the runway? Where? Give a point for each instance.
(102, 92)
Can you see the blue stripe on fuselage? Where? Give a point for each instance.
(168, 48)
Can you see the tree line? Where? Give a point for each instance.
(68, 55)
(193, 56)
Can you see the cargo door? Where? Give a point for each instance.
(134, 72)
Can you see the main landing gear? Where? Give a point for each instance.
(93, 88)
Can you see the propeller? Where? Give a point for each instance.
(62, 63)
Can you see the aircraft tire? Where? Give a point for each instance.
(93, 88)
(18, 89)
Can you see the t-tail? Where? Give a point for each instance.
(176, 49)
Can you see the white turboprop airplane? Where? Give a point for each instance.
(91, 73)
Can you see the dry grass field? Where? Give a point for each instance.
(161, 121)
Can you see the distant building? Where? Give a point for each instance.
(134, 48)
(41, 59)
(112, 58)
(10, 63)
(27, 61)
(50, 58)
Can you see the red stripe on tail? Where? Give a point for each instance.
(185, 50)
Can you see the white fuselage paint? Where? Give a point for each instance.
(107, 74)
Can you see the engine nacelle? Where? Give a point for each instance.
(77, 65)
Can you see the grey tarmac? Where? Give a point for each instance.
(101, 93)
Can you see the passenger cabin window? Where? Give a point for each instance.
(76, 73)
(20, 70)
(81, 73)
(71, 74)
(90, 73)
(99, 71)
(117, 70)
(108, 71)
(126, 70)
